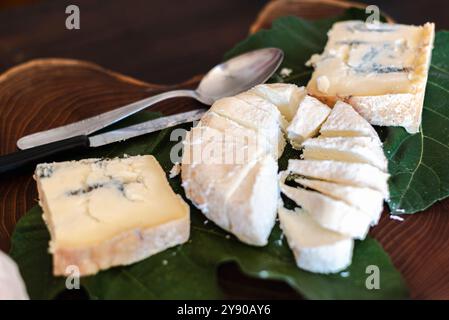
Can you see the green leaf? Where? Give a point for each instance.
(418, 163)
(189, 271)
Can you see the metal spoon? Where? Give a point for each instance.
(227, 79)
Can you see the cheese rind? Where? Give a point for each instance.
(329, 213)
(307, 121)
(376, 67)
(104, 213)
(315, 248)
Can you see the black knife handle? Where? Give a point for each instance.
(22, 158)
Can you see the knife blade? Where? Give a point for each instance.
(145, 127)
(22, 158)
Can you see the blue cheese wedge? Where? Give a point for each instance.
(307, 121)
(316, 249)
(380, 69)
(348, 149)
(104, 213)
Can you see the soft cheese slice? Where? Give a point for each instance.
(364, 199)
(251, 209)
(307, 121)
(264, 118)
(329, 213)
(284, 95)
(352, 174)
(232, 130)
(240, 197)
(316, 249)
(104, 213)
(380, 69)
(344, 121)
(348, 149)
(213, 166)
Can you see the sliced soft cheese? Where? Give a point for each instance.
(347, 149)
(346, 173)
(330, 213)
(316, 249)
(213, 166)
(307, 121)
(285, 96)
(265, 119)
(103, 213)
(251, 209)
(381, 69)
(239, 196)
(364, 199)
(231, 130)
(344, 121)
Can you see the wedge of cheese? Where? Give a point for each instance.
(346, 173)
(264, 118)
(330, 213)
(347, 149)
(365, 199)
(307, 121)
(344, 121)
(315, 248)
(104, 213)
(285, 96)
(231, 193)
(380, 69)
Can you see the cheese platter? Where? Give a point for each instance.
(298, 206)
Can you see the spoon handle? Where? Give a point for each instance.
(95, 123)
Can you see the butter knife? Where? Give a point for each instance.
(22, 158)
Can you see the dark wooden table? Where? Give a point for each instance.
(169, 42)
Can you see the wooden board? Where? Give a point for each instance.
(45, 93)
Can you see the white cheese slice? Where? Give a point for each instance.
(364, 199)
(347, 149)
(251, 209)
(329, 213)
(265, 119)
(104, 213)
(352, 174)
(344, 121)
(315, 248)
(213, 166)
(307, 121)
(232, 130)
(12, 286)
(380, 69)
(285, 96)
(240, 197)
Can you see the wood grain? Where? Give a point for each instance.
(45, 93)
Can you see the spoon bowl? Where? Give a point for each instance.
(239, 74)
